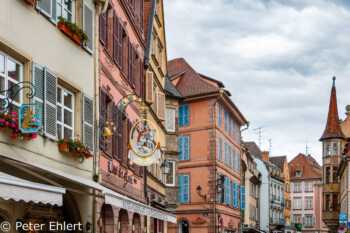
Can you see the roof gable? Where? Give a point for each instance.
(307, 165)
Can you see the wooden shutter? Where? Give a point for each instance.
(119, 135)
(229, 155)
(233, 129)
(238, 195)
(229, 125)
(229, 191)
(116, 38)
(103, 115)
(142, 80)
(180, 148)
(220, 148)
(186, 148)
(48, 8)
(149, 87)
(226, 153)
(88, 122)
(129, 61)
(120, 45)
(233, 193)
(181, 114)
(219, 189)
(238, 162)
(186, 115)
(161, 105)
(50, 101)
(88, 26)
(186, 188)
(243, 197)
(180, 190)
(103, 28)
(133, 65)
(38, 81)
(141, 15)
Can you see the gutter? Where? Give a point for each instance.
(221, 91)
(149, 34)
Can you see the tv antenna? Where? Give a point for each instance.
(270, 141)
(306, 149)
(259, 132)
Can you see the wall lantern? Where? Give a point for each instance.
(165, 168)
(199, 192)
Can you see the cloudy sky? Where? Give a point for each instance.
(277, 58)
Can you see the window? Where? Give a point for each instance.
(327, 202)
(66, 9)
(226, 153)
(170, 178)
(335, 178)
(170, 120)
(234, 159)
(341, 148)
(220, 148)
(184, 188)
(220, 115)
(184, 115)
(297, 204)
(184, 148)
(11, 73)
(328, 174)
(238, 162)
(238, 134)
(225, 120)
(297, 219)
(233, 129)
(298, 173)
(229, 125)
(229, 155)
(328, 149)
(309, 187)
(335, 202)
(297, 187)
(308, 203)
(335, 148)
(65, 113)
(309, 221)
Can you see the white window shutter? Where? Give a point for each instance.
(45, 7)
(149, 87)
(54, 13)
(88, 122)
(313, 221)
(88, 26)
(161, 105)
(38, 79)
(50, 101)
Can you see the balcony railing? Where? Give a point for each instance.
(277, 221)
(282, 201)
(273, 198)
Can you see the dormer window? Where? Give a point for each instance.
(298, 174)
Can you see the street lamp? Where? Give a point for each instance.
(165, 168)
(199, 190)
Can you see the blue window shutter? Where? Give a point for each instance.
(225, 120)
(226, 190)
(238, 134)
(233, 129)
(234, 159)
(238, 162)
(243, 197)
(233, 193)
(219, 189)
(186, 189)
(180, 190)
(226, 153)
(180, 148)
(220, 115)
(229, 125)
(229, 155)
(229, 191)
(220, 148)
(181, 115)
(88, 26)
(186, 115)
(186, 148)
(237, 193)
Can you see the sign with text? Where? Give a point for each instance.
(343, 217)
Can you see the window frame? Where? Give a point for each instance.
(8, 78)
(295, 202)
(173, 129)
(166, 181)
(61, 105)
(63, 9)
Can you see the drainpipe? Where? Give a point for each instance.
(240, 142)
(97, 78)
(221, 91)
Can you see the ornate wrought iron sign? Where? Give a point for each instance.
(29, 118)
(144, 146)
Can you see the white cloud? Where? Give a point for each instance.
(277, 59)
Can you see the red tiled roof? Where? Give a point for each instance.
(307, 165)
(190, 83)
(332, 129)
(278, 161)
(147, 15)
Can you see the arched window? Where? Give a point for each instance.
(184, 227)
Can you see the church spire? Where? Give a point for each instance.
(333, 129)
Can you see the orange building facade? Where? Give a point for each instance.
(210, 149)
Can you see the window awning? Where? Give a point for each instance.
(118, 200)
(17, 189)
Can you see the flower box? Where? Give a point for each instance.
(30, 2)
(65, 29)
(75, 147)
(72, 30)
(64, 147)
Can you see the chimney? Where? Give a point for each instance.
(265, 156)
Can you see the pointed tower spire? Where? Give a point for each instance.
(333, 129)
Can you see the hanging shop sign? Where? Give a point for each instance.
(144, 146)
(121, 173)
(29, 118)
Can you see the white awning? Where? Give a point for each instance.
(118, 200)
(18, 189)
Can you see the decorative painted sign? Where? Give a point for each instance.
(121, 173)
(29, 118)
(144, 146)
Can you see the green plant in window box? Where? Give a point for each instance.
(75, 147)
(72, 30)
(31, 2)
